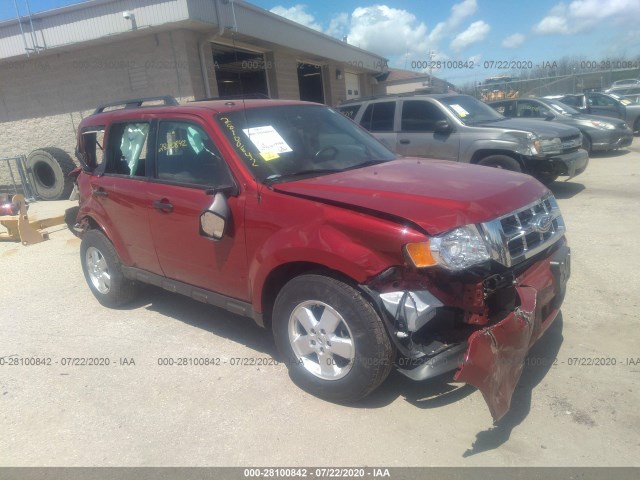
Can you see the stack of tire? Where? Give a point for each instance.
(50, 169)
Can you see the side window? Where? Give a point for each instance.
(528, 109)
(186, 154)
(127, 153)
(378, 117)
(572, 101)
(602, 101)
(349, 112)
(499, 107)
(91, 146)
(420, 116)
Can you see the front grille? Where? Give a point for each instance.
(571, 143)
(521, 234)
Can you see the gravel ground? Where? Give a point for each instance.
(135, 412)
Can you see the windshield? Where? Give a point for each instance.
(622, 100)
(562, 107)
(469, 110)
(286, 142)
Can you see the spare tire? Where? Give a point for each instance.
(50, 169)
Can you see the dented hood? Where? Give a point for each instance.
(437, 195)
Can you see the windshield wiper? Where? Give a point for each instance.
(276, 178)
(368, 163)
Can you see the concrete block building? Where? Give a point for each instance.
(56, 66)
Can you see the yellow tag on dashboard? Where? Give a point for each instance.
(269, 156)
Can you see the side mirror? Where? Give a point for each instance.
(548, 115)
(214, 220)
(442, 126)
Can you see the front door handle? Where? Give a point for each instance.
(163, 205)
(99, 192)
(405, 141)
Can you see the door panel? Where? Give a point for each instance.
(187, 256)
(125, 202)
(188, 166)
(417, 137)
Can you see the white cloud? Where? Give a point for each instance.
(297, 14)
(387, 31)
(581, 15)
(459, 12)
(338, 25)
(513, 41)
(476, 32)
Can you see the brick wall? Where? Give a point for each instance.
(44, 98)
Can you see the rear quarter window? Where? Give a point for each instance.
(378, 117)
(350, 111)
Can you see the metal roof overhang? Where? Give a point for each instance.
(101, 21)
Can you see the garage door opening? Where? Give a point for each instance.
(310, 82)
(239, 72)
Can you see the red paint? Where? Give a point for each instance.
(495, 357)
(436, 194)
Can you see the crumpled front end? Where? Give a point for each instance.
(481, 323)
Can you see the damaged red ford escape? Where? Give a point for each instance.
(358, 260)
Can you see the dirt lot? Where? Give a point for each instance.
(135, 412)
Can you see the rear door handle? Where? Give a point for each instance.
(405, 141)
(99, 192)
(163, 205)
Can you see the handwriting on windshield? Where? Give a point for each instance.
(238, 141)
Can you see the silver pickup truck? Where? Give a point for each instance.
(463, 129)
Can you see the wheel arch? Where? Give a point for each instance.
(91, 222)
(486, 152)
(280, 275)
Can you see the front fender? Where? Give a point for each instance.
(505, 145)
(358, 247)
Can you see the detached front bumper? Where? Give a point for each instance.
(569, 164)
(492, 358)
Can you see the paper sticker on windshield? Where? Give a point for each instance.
(459, 110)
(267, 140)
(269, 156)
(624, 101)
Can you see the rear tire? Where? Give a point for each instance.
(50, 168)
(332, 339)
(501, 161)
(103, 270)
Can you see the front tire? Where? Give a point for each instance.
(332, 339)
(501, 161)
(103, 271)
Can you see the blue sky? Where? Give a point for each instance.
(478, 30)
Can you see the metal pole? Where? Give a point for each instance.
(26, 48)
(33, 31)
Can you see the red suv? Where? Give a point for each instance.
(360, 261)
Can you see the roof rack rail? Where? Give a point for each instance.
(389, 95)
(137, 103)
(246, 96)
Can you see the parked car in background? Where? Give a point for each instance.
(598, 133)
(607, 104)
(359, 261)
(628, 82)
(463, 129)
(626, 92)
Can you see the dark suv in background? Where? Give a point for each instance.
(463, 129)
(598, 132)
(606, 104)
